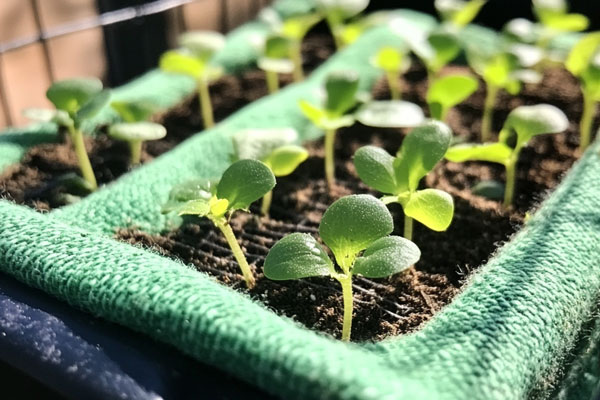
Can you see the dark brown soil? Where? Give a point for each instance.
(35, 181)
(399, 304)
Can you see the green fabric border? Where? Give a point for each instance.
(518, 318)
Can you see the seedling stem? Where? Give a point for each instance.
(296, 56)
(348, 299)
(272, 81)
(587, 118)
(266, 203)
(408, 227)
(394, 84)
(136, 151)
(329, 152)
(488, 110)
(82, 156)
(224, 226)
(205, 104)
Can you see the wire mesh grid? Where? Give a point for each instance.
(226, 9)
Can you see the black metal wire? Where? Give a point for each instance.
(107, 18)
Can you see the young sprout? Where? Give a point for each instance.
(276, 148)
(275, 60)
(446, 92)
(555, 19)
(584, 63)
(336, 12)
(435, 50)
(499, 69)
(341, 88)
(194, 59)
(241, 184)
(135, 134)
(398, 177)
(521, 125)
(394, 62)
(458, 13)
(76, 100)
(294, 28)
(134, 111)
(356, 229)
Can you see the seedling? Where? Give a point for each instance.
(435, 49)
(241, 184)
(555, 19)
(522, 124)
(336, 12)
(194, 59)
(394, 62)
(584, 63)
(340, 90)
(135, 134)
(446, 92)
(275, 60)
(294, 28)
(398, 177)
(351, 225)
(458, 13)
(276, 148)
(499, 69)
(76, 101)
(134, 111)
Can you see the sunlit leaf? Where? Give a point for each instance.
(493, 152)
(431, 207)
(244, 182)
(296, 256)
(387, 256)
(375, 167)
(390, 114)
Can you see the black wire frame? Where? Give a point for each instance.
(122, 15)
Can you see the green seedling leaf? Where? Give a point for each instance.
(353, 223)
(446, 92)
(59, 117)
(133, 111)
(276, 55)
(296, 27)
(529, 121)
(492, 190)
(582, 54)
(391, 59)
(390, 114)
(554, 15)
(493, 152)
(521, 30)
(198, 207)
(285, 159)
(528, 55)
(182, 62)
(387, 256)
(71, 94)
(296, 256)
(375, 167)
(137, 131)
(341, 88)
(459, 12)
(259, 144)
(202, 44)
(431, 207)
(200, 189)
(244, 182)
(93, 106)
(322, 119)
(341, 9)
(445, 46)
(421, 150)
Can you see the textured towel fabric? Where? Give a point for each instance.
(504, 337)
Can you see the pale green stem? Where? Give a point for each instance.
(329, 157)
(587, 119)
(334, 26)
(237, 252)
(348, 300)
(296, 56)
(205, 104)
(136, 151)
(488, 110)
(511, 166)
(408, 227)
(272, 81)
(394, 84)
(84, 161)
(266, 203)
